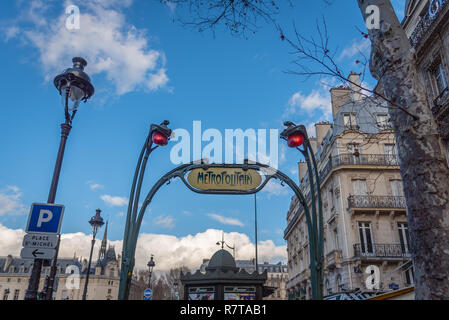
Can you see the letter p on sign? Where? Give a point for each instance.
(45, 218)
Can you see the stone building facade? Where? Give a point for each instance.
(365, 220)
(104, 278)
(426, 23)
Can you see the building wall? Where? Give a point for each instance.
(100, 287)
(344, 266)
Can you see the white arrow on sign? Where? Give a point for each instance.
(40, 240)
(37, 253)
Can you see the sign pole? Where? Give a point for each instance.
(255, 227)
(33, 285)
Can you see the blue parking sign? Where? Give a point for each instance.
(45, 218)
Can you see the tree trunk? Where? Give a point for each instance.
(424, 169)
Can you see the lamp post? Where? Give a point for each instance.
(296, 136)
(74, 86)
(158, 135)
(150, 265)
(96, 222)
(175, 288)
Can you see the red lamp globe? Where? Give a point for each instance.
(159, 138)
(295, 140)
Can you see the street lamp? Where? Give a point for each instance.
(222, 243)
(296, 136)
(150, 265)
(74, 86)
(158, 135)
(96, 222)
(175, 287)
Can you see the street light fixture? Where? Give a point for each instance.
(96, 222)
(158, 135)
(74, 86)
(296, 136)
(150, 265)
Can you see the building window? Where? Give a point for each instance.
(19, 280)
(340, 285)
(404, 237)
(109, 291)
(111, 273)
(5, 294)
(409, 278)
(382, 121)
(328, 287)
(16, 294)
(396, 188)
(336, 240)
(349, 121)
(391, 154)
(366, 238)
(439, 77)
(359, 187)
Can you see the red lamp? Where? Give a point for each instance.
(159, 138)
(295, 140)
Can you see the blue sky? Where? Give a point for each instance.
(145, 69)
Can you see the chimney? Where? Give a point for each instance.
(8, 262)
(339, 96)
(356, 91)
(84, 265)
(302, 169)
(313, 144)
(321, 131)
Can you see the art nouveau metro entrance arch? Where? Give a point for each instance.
(227, 179)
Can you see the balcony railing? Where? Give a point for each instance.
(381, 251)
(347, 159)
(424, 24)
(441, 102)
(355, 201)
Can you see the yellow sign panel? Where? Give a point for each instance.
(224, 179)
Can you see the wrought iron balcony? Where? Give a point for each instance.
(424, 24)
(365, 159)
(347, 159)
(355, 201)
(381, 251)
(441, 103)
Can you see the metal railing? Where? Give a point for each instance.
(440, 102)
(381, 250)
(356, 201)
(424, 24)
(347, 159)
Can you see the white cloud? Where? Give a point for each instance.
(274, 188)
(169, 251)
(114, 201)
(10, 201)
(165, 221)
(94, 186)
(318, 100)
(105, 39)
(360, 47)
(226, 220)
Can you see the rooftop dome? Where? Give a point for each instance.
(222, 260)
